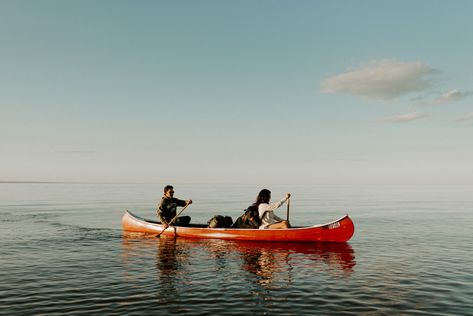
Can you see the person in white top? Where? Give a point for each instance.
(266, 211)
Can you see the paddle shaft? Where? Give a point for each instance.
(172, 220)
(288, 205)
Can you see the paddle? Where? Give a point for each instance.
(288, 205)
(172, 220)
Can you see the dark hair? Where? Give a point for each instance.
(263, 197)
(167, 188)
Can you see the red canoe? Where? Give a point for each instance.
(338, 231)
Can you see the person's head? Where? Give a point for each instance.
(264, 196)
(169, 191)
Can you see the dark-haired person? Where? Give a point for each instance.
(266, 211)
(168, 207)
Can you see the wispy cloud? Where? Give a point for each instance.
(467, 118)
(450, 96)
(404, 118)
(382, 79)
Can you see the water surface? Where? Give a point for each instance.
(63, 252)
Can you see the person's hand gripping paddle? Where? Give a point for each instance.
(173, 220)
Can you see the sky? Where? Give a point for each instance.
(257, 92)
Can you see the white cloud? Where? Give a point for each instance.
(450, 96)
(402, 118)
(382, 79)
(468, 118)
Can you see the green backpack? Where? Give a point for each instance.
(249, 219)
(220, 221)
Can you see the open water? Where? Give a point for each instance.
(62, 253)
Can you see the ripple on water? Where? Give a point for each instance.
(409, 256)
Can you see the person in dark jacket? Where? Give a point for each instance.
(167, 209)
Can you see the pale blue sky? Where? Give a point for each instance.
(237, 91)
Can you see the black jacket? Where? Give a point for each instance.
(167, 208)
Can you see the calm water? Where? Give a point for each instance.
(62, 252)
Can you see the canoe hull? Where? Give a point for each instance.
(340, 230)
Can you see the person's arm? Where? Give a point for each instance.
(272, 207)
(182, 202)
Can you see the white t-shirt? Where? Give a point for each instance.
(266, 213)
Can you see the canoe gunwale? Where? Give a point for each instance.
(222, 228)
(340, 230)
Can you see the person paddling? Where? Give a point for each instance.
(266, 211)
(168, 206)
